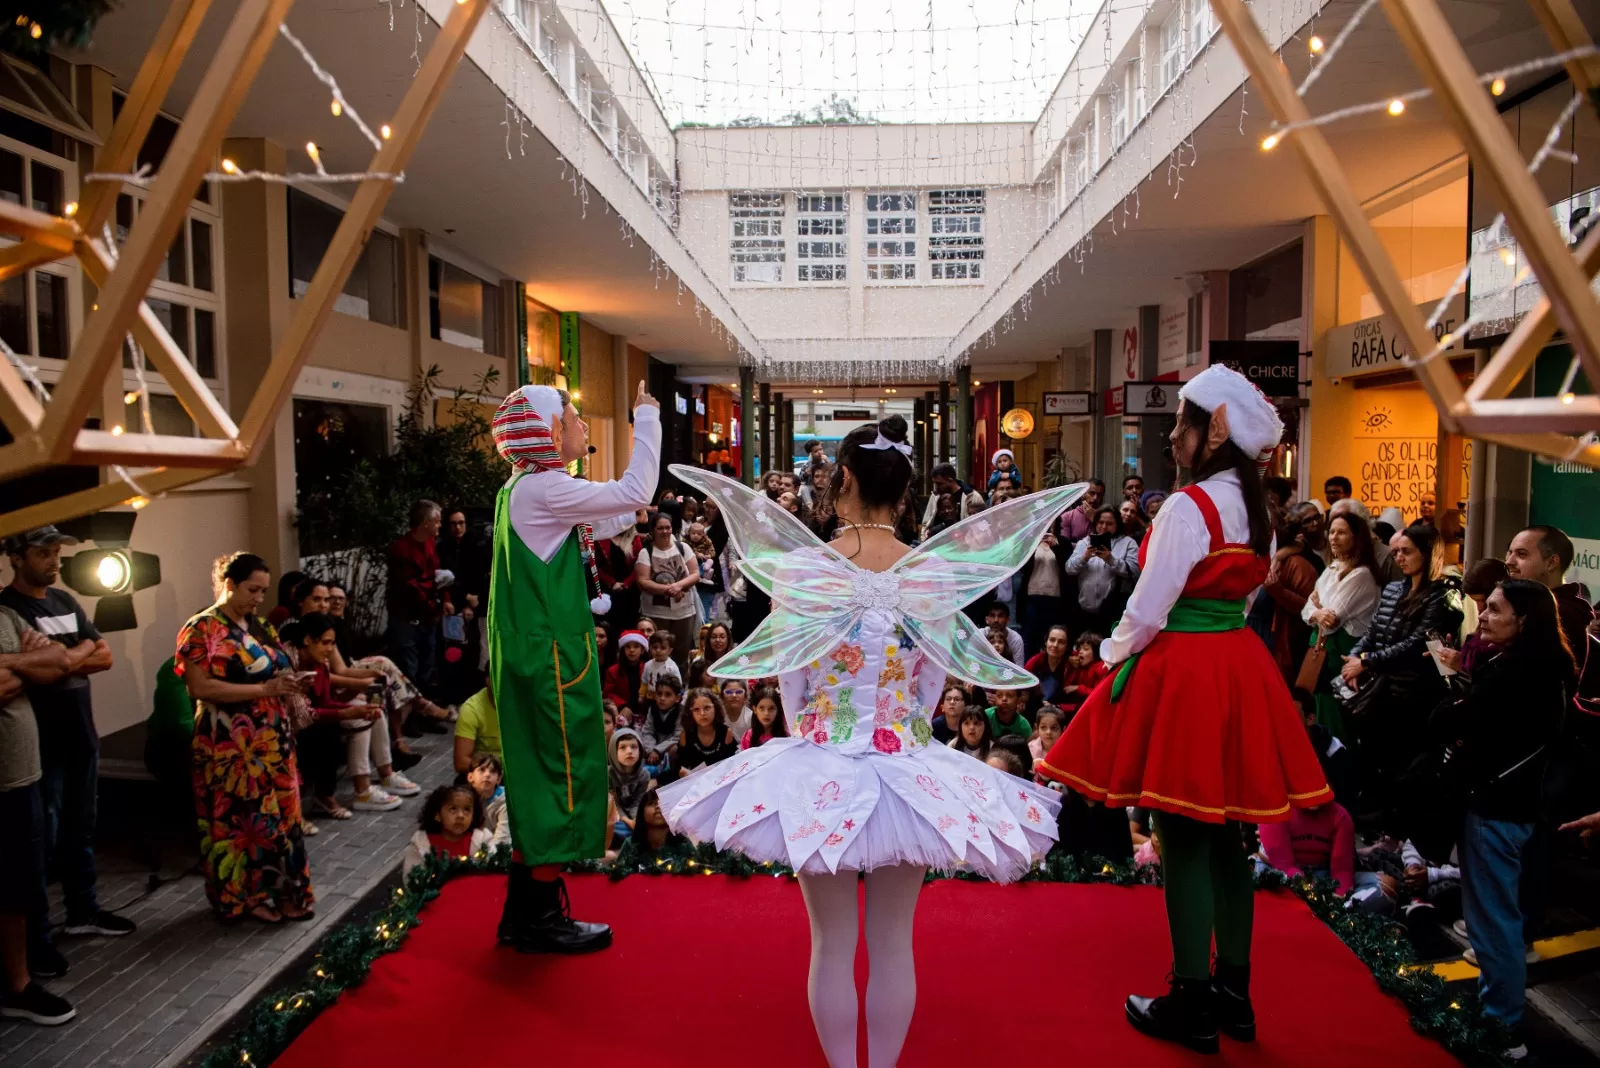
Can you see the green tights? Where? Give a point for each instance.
(1209, 888)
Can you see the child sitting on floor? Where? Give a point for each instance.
(652, 834)
(766, 718)
(1084, 672)
(974, 736)
(1005, 714)
(706, 738)
(485, 777)
(628, 780)
(1048, 723)
(625, 679)
(660, 665)
(658, 729)
(452, 825)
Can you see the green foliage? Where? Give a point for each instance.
(64, 23)
(1452, 1017)
(1061, 471)
(835, 111)
(358, 511)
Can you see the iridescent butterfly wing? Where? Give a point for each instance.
(960, 564)
(811, 585)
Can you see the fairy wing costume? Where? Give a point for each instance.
(861, 659)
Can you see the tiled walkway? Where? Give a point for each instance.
(152, 998)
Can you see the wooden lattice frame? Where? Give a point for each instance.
(1543, 425)
(53, 433)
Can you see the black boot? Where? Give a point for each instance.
(1184, 1015)
(519, 891)
(1230, 999)
(547, 925)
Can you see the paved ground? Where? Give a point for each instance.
(149, 999)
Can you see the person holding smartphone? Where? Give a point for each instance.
(1106, 565)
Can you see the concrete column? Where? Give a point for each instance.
(1153, 439)
(930, 439)
(1319, 304)
(786, 440)
(255, 265)
(622, 403)
(747, 442)
(414, 298)
(944, 421)
(964, 421)
(778, 434)
(1107, 436)
(766, 427)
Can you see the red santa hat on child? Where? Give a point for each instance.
(633, 637)
(1007, 453)
(1253, 422)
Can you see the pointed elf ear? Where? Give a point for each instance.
(1217, 432)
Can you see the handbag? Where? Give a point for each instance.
(1311, 667)
(1361, 702)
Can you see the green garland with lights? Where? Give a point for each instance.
(1455, 1019)
(34, 26)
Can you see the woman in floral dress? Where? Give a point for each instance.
(246, 782)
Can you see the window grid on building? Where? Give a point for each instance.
(820, 247)
(1203, 26)
(1171, 49)
(757, 250)
(955, 234)
(891, 243)
(1136, 89)
(1119, 115)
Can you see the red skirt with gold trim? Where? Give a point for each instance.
(1206, 728)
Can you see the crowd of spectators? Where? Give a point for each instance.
(1438, 696)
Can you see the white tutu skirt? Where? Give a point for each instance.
(819, 809)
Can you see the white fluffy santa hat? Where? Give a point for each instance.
(1253, 422)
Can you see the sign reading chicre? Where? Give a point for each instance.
(1273, 365)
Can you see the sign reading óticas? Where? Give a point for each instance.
(1272, 365)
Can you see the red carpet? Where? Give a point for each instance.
(711, 972)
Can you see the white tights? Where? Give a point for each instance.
(892, 986)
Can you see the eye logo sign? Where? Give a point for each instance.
(1377, 419)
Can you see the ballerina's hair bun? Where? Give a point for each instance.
(882, 472)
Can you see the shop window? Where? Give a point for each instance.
(167, 416)
(463, 309)
(372, 291)
(544, 343)
(1265, 294)
(955, 234)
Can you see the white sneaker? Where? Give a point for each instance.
(1460, 928)
(1519, 1052)
(376, 799)
(1471, 957)
(400, 786)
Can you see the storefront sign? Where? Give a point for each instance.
(682, 404)
(1273, 365)
(1566, 495)
(1111, 401)
(1150, 398)
(1376, 344)
(852, 415)
(1073, 403)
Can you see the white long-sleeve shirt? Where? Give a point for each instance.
(1098, 579)
(1178, 540)
(546, 505)
(1350, 595)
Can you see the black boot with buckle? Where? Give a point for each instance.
(1230, 990)
(545, 923)
(1183, 1015)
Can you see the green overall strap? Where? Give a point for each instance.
(1190, 615)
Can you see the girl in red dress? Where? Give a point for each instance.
(1196, 722)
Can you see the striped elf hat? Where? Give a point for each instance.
(521, 428)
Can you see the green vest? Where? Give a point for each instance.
(546, 678)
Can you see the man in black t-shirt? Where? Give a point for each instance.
(69, 745)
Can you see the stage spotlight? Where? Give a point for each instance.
(113, 572)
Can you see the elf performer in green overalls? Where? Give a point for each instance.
(545, 670)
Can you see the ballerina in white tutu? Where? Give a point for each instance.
(862, 635)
